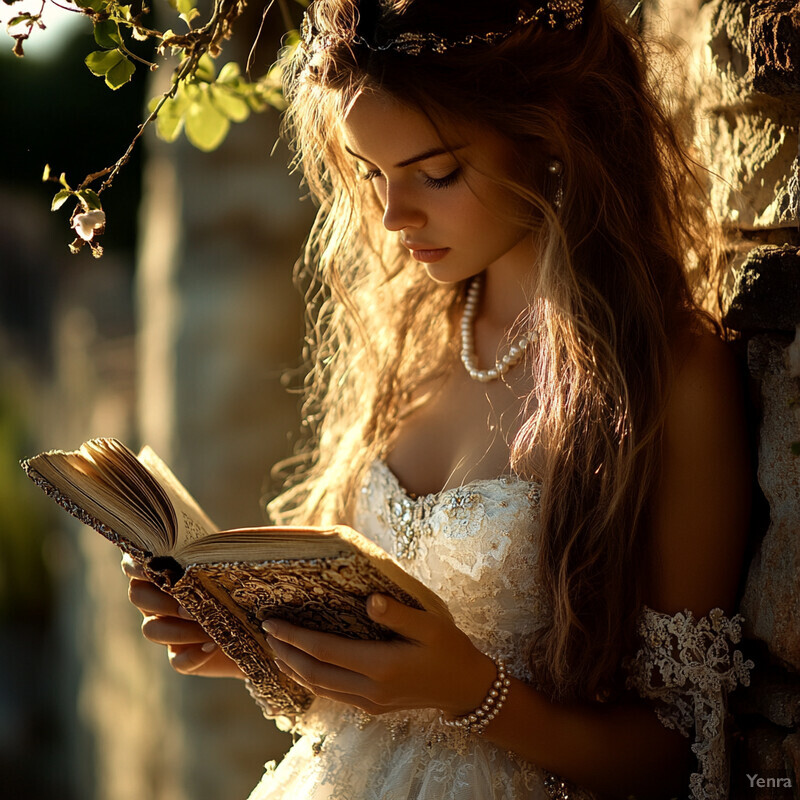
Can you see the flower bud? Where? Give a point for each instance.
(86, 224)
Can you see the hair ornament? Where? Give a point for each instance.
(566, 14)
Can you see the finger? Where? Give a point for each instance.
(409, 622)
(339, 651)
(187, 659)
(150, 600)
(287, 670)
(342, 697)
(131, 568)
(318, 674)
(172, 630)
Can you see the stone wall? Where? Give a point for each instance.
(746, 80)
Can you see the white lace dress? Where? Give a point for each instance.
(475, 547)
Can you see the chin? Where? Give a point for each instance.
(445, 275)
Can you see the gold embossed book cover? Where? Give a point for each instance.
(230, 581)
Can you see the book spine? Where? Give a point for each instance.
(237, 641)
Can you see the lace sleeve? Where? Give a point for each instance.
(283, 722)
(687, 667)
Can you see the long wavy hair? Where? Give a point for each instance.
(614, 286)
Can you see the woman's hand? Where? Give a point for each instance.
(189, 648)
(436, 666)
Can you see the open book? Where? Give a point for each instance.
(230, 581)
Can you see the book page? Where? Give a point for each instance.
(193, 522)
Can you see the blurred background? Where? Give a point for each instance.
(178, 338)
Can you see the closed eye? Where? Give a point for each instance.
(433, 183)
(443, 183)
(370, 175)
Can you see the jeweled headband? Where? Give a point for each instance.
(554, 13)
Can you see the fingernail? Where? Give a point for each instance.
(377, 604)
(269, 626)
(182, 612)
(208, 647)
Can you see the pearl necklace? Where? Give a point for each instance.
(468, 357)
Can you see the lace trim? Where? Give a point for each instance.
(687, 667)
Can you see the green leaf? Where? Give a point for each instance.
(230, 104)
(62, 179)
(89, 199)
(206, 127)
(120, 74)
(46, 173)
(19, 18)
(187, 18)
(187, 11)
(60, 198)
(101, 61)
(169, 122)
(94, 5)
(106, 34)
(206, 70)
(229, 73)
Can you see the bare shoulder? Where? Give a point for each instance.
(700, 512)
(706, 376)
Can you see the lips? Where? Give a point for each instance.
(425, 253)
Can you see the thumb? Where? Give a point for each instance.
(402, 619)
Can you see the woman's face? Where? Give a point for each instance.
(437, 189)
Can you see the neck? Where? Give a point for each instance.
(506, 288)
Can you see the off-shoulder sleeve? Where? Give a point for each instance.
(687, 667)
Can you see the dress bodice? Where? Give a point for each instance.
(475, 545)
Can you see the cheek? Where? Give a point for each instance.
(471, 215)
(489, 226)
(488, 206)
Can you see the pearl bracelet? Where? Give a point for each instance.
(476, 721)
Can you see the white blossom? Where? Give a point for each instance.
(86, 224)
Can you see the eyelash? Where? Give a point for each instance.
(433, 183)
(443, 183)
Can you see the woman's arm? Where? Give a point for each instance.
(700, 522)
(700, 517)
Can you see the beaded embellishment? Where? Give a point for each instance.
(556, 788)
(408, 519)
(566, 14)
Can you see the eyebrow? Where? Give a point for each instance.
(434, 151)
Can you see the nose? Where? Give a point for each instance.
(401, 210)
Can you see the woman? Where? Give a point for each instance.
(515, 392)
